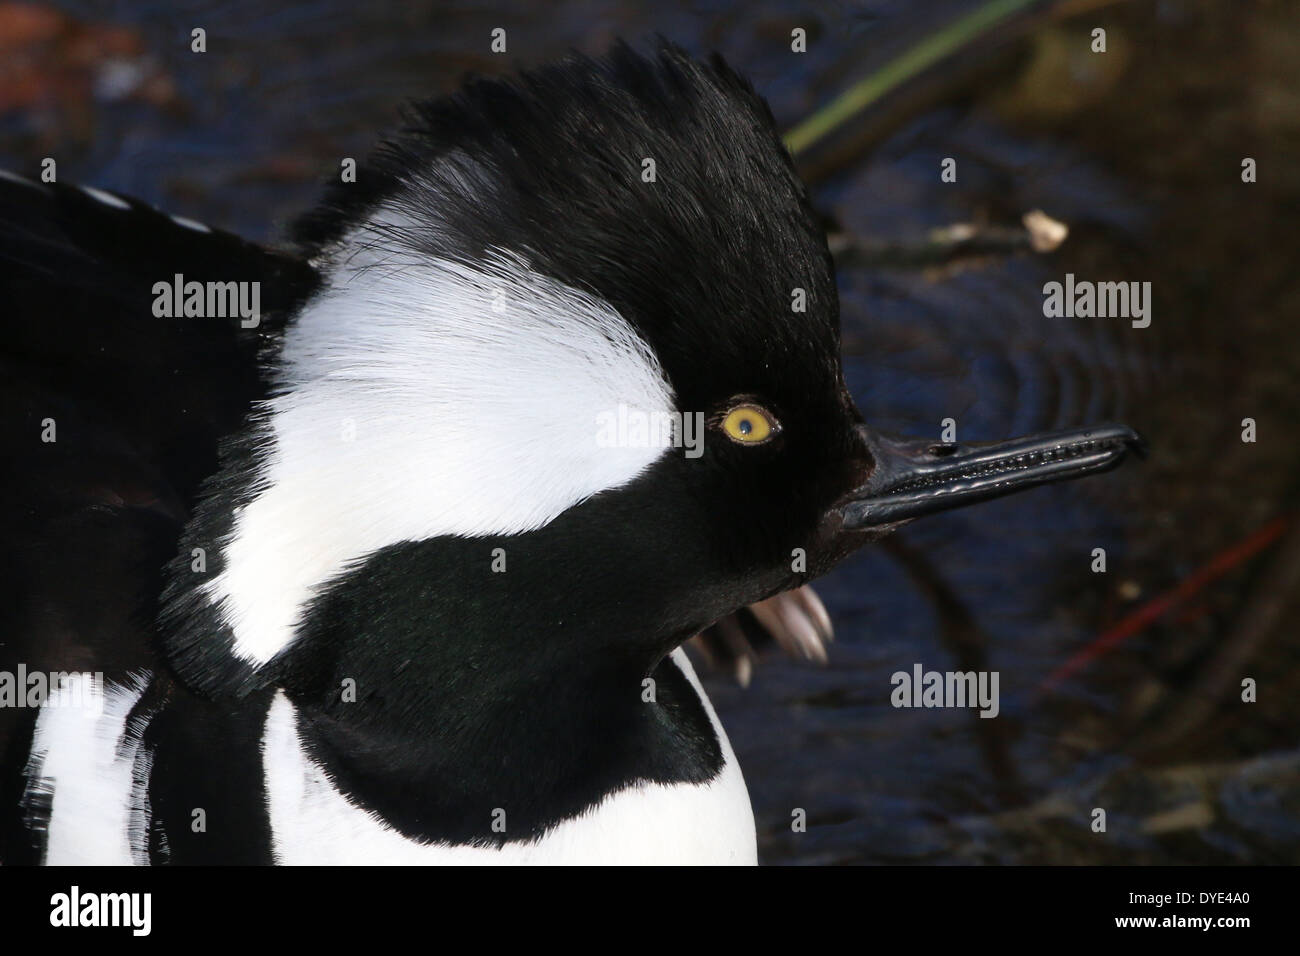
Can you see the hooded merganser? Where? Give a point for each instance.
(363, 582)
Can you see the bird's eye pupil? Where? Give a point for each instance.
(746, 426)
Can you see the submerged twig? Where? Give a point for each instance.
(1161, 604)
(1039, 233)
(968, 643)
(1263, 611)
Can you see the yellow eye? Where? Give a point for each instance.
(749, 425)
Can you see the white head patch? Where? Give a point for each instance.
(424, 397)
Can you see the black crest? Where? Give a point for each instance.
(657, 183)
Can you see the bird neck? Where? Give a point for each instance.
(434, 690)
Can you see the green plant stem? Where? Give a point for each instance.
(899, 70)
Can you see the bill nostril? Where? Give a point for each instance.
(943, 450)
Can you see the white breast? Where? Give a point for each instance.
(313, 823)
(91, 772)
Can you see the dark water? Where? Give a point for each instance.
(1139, 153)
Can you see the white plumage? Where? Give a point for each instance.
(425, 397)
